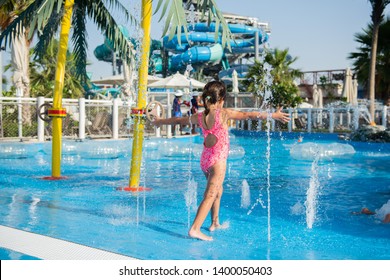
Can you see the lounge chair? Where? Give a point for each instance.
(100, 124)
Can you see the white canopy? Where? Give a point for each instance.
(178, 81)
(119, 79)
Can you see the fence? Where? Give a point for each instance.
(19, 118)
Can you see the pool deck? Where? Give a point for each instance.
(49, 248)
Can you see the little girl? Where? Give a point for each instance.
(214, 124)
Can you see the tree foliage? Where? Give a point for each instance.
(42, 74)
(273, 79)
(361, 59)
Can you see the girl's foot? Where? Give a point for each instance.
(215, 226)
(199, 235)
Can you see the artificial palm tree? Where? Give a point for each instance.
(378, 8)
(46, 15)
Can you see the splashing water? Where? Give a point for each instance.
(259, 200)
(245, 194)
(268, 156)
(266, 97)
(312, 194)
(191, 197)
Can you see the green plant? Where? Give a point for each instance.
(273, 80)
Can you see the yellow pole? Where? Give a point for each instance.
(58, 88)
(138, 138)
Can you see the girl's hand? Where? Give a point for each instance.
(156, 122)
(280, 116)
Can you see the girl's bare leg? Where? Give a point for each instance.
(214, 184)
(217, 203)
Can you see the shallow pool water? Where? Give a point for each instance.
(87, 208)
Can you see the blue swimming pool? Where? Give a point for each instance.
(87, 208)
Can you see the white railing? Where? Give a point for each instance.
(112, 118)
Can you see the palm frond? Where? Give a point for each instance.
(79, 40)
(48, 33)
(107, 24)
(26, 18)
(176, 22)
(175, 18)
(210, 7)
(115, 4)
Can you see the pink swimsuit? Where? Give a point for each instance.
(220, 150)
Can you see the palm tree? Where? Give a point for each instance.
(275, 77)
(378, 8)
(281, 63)
(362, 59)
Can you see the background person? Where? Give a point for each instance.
(176, 110)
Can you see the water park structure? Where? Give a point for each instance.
(200, 48)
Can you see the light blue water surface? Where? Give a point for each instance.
(87, 208)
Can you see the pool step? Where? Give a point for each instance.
(49, 248)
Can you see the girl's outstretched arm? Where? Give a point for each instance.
(239, 115)
(193, 119)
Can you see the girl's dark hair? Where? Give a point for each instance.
(212, 93)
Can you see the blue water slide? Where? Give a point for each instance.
(104, 52)
(197, 54)
(237, 45)
(198, 37)
(234, 28)
(203, 33)
(241, 69)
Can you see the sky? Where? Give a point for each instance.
(319, 32)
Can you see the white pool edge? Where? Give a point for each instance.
(49, 248)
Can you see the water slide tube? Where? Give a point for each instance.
(104, 52)
(202, 33)
(241, 69)
(205, 34)
(197, 54)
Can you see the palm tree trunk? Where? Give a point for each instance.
(371, 81)
(27, 114)
(20, 58)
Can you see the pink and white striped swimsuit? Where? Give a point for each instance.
(220, 150)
